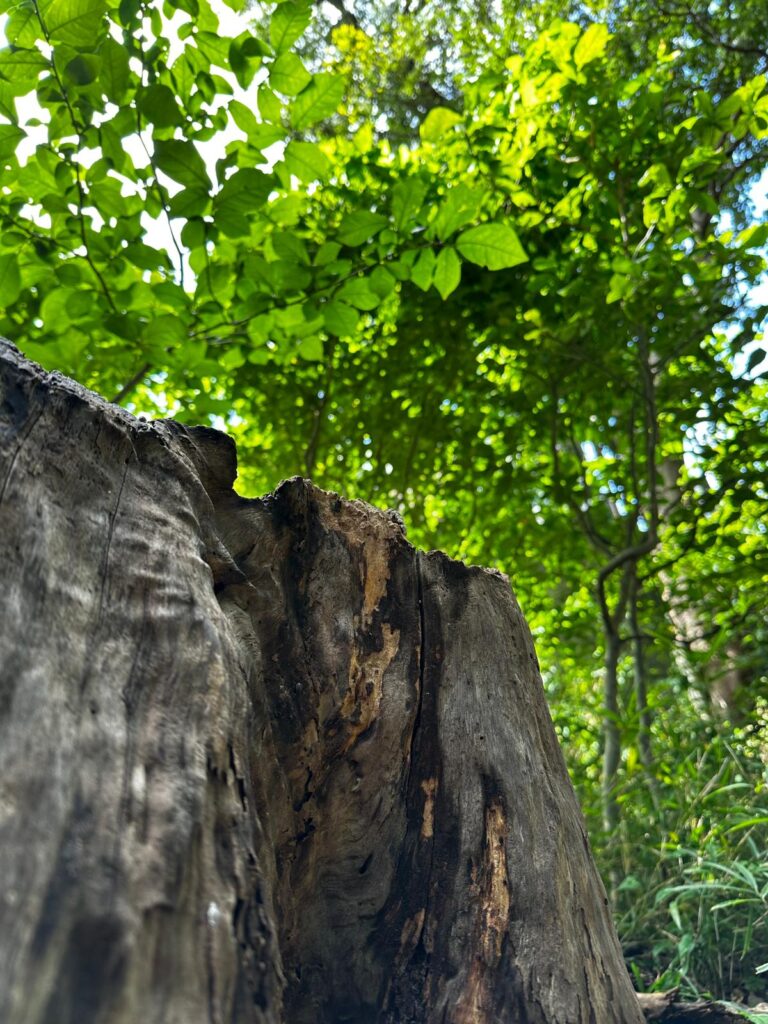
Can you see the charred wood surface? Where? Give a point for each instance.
(261, 760)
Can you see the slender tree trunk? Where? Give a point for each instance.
(640, 679)
(718, 673)
(611, 731)
(260, 760)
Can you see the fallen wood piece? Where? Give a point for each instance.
(665, 1008)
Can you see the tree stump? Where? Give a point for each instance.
(261, 760)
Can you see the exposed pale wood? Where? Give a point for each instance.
(262, 761)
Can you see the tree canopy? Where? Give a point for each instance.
(497, 267)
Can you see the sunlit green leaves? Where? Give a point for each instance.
(340, 318)
(288, 75)
(23, 27)
(407, 200)
(423, 269)
(10, 137)
(289, 246)
(241, 197)
(259, 134)
(460, 206)
(22, 66)
(319, 100)
(165, 330)
(358, 293)
(306, 160)
(447, 272)
(270, 105)
(591, 45)
(357, 227)
(114, 74)
(288, 23)
(75, 22)
(437, 123)
(495, 246)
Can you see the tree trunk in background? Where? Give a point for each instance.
(262, 761)
(720, 673)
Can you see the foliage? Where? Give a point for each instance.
(506, 285)
(253, 271)
(693, 902)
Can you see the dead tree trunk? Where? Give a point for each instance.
(262, 761)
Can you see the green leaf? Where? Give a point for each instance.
(22, 65)
(78, 23)
(437, 122)
(260, 135)
(288, 75)
(460, 206)
(327, 253)
(311, 347)
(356, 228)
(306, 161)
(407, 199)
(423, 269)
(240, 197)
(244, 117)
(79, 305)
(23, 28)
(10, 137)
(447, 273)
(190, 202)
(112, 147)
(319, 100)
(619, 286)
(358, 293)
(165, 330)
(382, 282)
(53, 309)
(115, 72)
(270, 106)
(591, 45)
(182, 162)
(495, 246)
(290, 247)
(215, 47)
(340, 319)
(158, 105)
(10, 279)
(82, 69)
(232, 358)
(107, 198)
(288, 23)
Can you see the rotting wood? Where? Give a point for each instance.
(666, 1008)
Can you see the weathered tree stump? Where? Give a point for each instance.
(261, 760)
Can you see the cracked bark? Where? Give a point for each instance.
(260, 760)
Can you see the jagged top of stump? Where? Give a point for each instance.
(212, 452)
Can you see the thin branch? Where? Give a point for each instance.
(130, 384)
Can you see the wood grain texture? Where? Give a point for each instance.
(262, 761)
